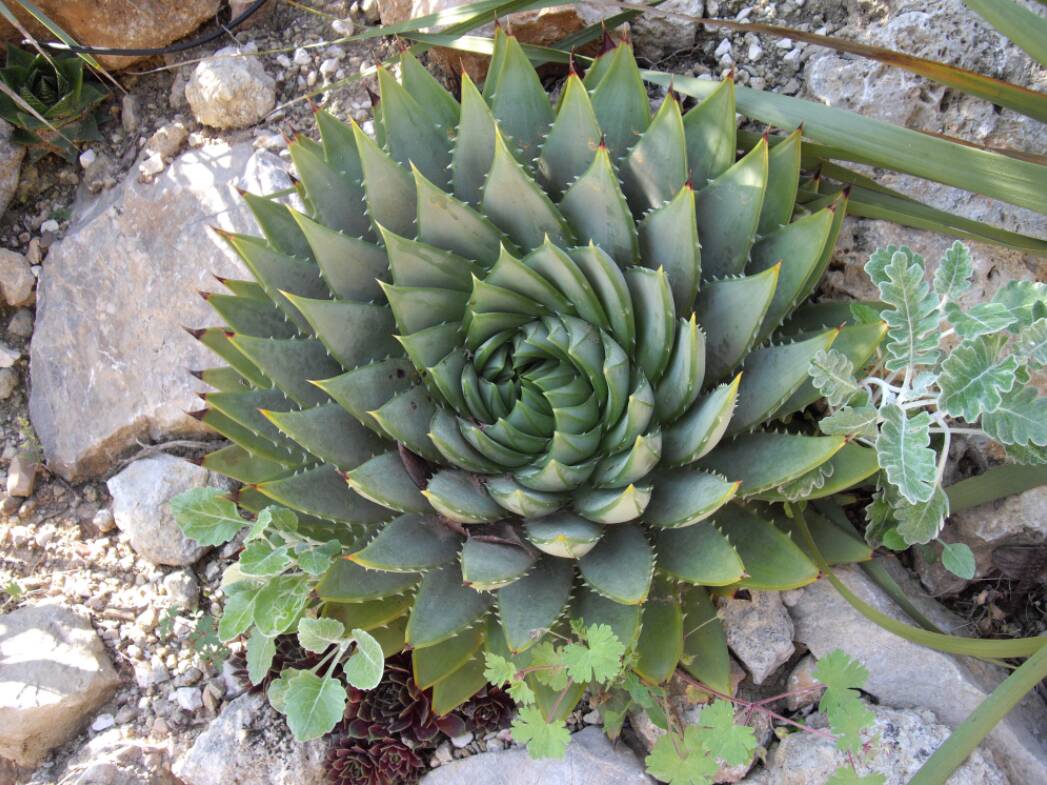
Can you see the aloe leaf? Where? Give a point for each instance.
(461, 497)
(532, 604)
(995, 483)
(410, 133)
(329, 432)
(698, 554)
(620, 102)
(366, 389)
(291, 363)
(330, 192)
(279, 227)
(444, 607)
(596, 209)
(783, 179)
(683, 497)
(571, 145)
(772, 560)
(433, 664)
(669, 239)
(487, 566)
(405, 418)
(368, 615)
(730, 313)
(349, 582)
(656, 167)
(474, 144)
(518, 100)
(655, 319)
(450, 224)
(700, 429)
(660, 647)
(591, 608)
(323, 492)
(765, 460)
(705, 654)
(613, 505)
(390, 192)
(384, 480)
(354, 333)
(243, 466)
(621, 565)
(410, 543)
(350, 266)
(250, 316)
(678, 389)
(563, 534)
(711, 134)
(416, 264)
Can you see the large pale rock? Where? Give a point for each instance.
(142, 496)
(902, 741)
(249, 744)
(590, 760)
(543, 26)
(54, 672)
(903, 675)
(118, 23)
(656, 36)
(11, 156)
(110, 359)
(759, 632)
(230, 89)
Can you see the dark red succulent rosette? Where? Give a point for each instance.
(491, 709)
(381, 761)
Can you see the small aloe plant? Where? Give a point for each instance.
(528, 367)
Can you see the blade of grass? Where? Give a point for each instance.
(1027, 29)
(937, 769)
(1020, 99)
(996, 483)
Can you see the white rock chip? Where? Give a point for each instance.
(590, 760)
(902, 674)
(142, 496)
(16, 278)
(759, 632)
(230, 89)
(54, 672)
(249, 744)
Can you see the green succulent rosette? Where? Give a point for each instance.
(529, 365)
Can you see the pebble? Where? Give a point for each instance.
(329, 66)
(21, 324)
(88, 157)
(50, 226)
(182, 589)
(153, 164)
(723, 49)
(21, 474)
(755, 52)
(8, 382)
(462, 741)
(189, 698)
(442, 755)
(592, 717)
(302, 56)
(129, 113)
(343, 27)
(103, 520)
(103, 722)
(16, 278)
(784, 43)
(125, 715)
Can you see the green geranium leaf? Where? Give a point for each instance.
(498, 670)
(365, 665)
(954, 273)
(549, 661)
(313, 704)
(833, 374)
(260, 652)
(261, 560)
(598, 659)
(974, 378)
(206, 515)
(958, 559)
(733, 744)
(682, 762)
(316, 635)
(841, 702)
(521, 693)
(913, 316)
(851, 421)
(903, 450)
(838, 671)
(543, 739)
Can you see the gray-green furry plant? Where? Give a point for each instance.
(531, 365)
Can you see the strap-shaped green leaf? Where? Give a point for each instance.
(322, 492)
(511, 273)
(454, 690)
(612, 505)
(390, 192)
(684, 497)
(532, 604)
(765, 460)
(728, 211)
(797, 248)
(444, 607)
(773, 562)
(660, 647)
(350, 266)
(243, 407)
(428, 347)
(731, 312)
(410, 133)
(591, 609)
(340, 151)
(620, 102)
(518, 100)
(610, 286)
(384, 480)
(699, 554)
(249, 316)
(621, 565)
(435, 663)
(656, 168)
(418, 307)
(461, 497)
(487, 566)
(336, 198)
(368, 615)
(597, 211)
(291, 364)
(405, 417)
(563, 534)
(243, 466)
(678, 389)
(329, 432)
(474, 145)
(454, 226)
(349, 582)
(616, 471)
(355, 333)
(783, 179)
(367, 388)
(655, 319)
(705, 654)
(410, 543)
(669, 239)
(572, 141)
(517, 206)
(711, 134)
(279, 227)
(491, 449)
(771, 375)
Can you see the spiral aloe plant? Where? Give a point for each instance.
(533, 365)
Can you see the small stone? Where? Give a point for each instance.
(329, 66)
(182, 589)
(21, 324)
(88, 157)
(168, 140)
(230, 89)
(125, 715)
(49, 226)
(189, 698)
(759, 632)
(343, 27)
(443, 755)
(152, 165)
(371, 11)
(103, 520)
(21, 474)
(148, 674)
(16, 278)
(801, 681)
(723, 49)
(8, 356)
(302, 56)
(592, 717)
(462, 741)
(8, 382)
(755, 52)
(34, 254)
(129, 113)
(784, 43)
(103, 722)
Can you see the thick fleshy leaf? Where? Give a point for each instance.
(365, 389)
(474, 145)
(684, 497)
(772, 560)
(487, 566)
(517, 99)
(783, 178)
(700, 429)
(660, 647)
(410, 133)
(705, 644)
(354, 333)
(572, 141)
(591, 608)
(461, 497)
(765, 460)
(452, 225)
(368, 615)
(454, 690)
(678, 389)
(656, 167)
(385, 481)
(620, 102)
(329, 432)
(655, 319)
(711, 133)
(596, 209)
(532, 604)
(444, 607)
(698, 554)
(563, 534)
(406, 417)
(435, 663)
(348, 582)
(390, 192)
(613, 505)
(322, 492)
(731, 312)
(669, 239)
(351, 267)
(621, 565)
(291, 364)
(409, 543)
